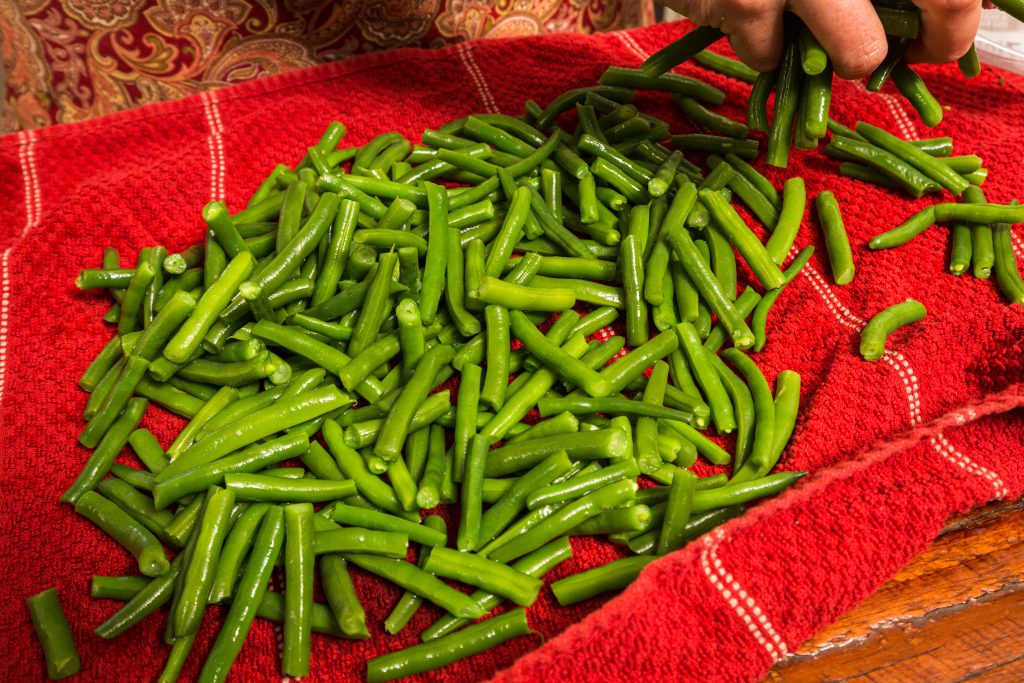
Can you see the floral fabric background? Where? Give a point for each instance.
(67, 60)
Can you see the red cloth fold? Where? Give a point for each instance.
(894, 447)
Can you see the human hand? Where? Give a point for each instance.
(849, 30)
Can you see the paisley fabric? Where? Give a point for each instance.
(68, 60)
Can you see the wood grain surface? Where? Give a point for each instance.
(955, 614)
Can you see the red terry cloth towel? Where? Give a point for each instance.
(894, 447)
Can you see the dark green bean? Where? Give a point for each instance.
(786, 100)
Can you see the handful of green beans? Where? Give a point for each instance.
(312, 341)
(803, 82)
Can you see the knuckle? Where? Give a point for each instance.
(953, 6)
(747, 8)
(861, 60)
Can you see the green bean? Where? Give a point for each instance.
(117, 397)
(198, 571)
(108, 448)
(738, 493)
(265, 488)
(148, 450)
(710, 289)
(1005, 264)
(610, 577)
(495, 383)
(582, 484)
(627, 368)
(714, 122)
(250, 591)
(753, 251)
(566, 518)
(681, 50)
(429, 493)
(563, 103)
(54, 635)
(125, 530)
(374, 308)
(437, 252)
(812, 56)
(465, 415)
(884, 323)
(341, 596)
(969, 64)
(101, 364)
(759, 204)
(396, 424)
(908, 230)
(725, 66)
(522, 455)
(700, 362)
(786, 100)
(837, 243)
(979, 212)
(699, 142)
(132, 302)
(757, 105)
(764, 411)
(298, 588)
(214, 300)
(376, 355)
(916, 92)
(631, 265)
(519, 297)
(137, 505)
(794, 204)
(332, 539)
(924, 162)
(455, 290)
(417, 581)
(511, 231)
(281, 416)
(447, 649)
(409, 603)
(895, 169)
(673, 83)
(234, 550)
(571, 369)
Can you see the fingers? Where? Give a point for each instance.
(755, 31)
(850, 32)
(948, 28)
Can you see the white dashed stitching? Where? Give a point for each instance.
(738, 598)
(466, 55)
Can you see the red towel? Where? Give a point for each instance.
(895, 447)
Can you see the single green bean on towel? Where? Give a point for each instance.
(884, 323)
(447, 649)
(54, 635)
(840, 256)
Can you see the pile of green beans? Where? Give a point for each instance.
(803, 82)
(313, 342)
